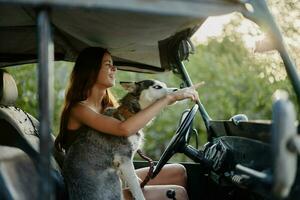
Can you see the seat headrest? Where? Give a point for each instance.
(8, 89)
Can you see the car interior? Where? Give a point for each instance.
(243, 159)
(20, 148)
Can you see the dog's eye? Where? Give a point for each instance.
(157, 87)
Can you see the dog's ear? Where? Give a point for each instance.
(129, 86)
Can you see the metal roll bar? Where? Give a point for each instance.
(46, 85)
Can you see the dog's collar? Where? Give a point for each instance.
(130, 101)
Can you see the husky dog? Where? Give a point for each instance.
(94, 162)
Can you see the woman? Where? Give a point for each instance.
(87, 97)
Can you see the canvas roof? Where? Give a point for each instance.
(138, 33)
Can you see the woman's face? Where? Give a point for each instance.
(106, 77)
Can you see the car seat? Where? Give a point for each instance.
(19, 148)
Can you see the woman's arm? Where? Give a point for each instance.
(133, 124)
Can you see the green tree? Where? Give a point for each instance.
(26, 80)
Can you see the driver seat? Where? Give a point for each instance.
(18, 127)
(19, 148)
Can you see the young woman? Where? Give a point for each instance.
(86, 98)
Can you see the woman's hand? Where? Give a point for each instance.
(185, 93)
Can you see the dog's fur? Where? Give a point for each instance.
(95, 160)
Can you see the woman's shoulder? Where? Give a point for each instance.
(83, 106)
(83, 114)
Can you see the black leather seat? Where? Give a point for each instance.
(18, 128)
(19, 148)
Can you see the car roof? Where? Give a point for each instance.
(138, 33)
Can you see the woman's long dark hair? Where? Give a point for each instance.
(83, 77)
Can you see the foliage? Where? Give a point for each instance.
(287, 15)
(26, 79)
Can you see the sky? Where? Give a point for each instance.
(213, 27)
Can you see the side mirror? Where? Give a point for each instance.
(285, 144)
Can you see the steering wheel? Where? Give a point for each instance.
(178, 141)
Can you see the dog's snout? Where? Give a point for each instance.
(170, 90)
